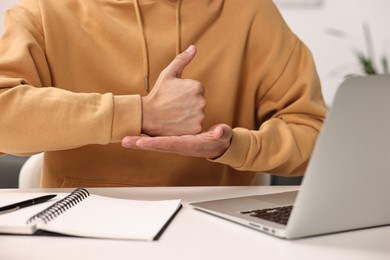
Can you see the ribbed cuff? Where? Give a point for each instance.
(235, 155)
(127, 117)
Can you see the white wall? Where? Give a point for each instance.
(333, 55)
(4, 4)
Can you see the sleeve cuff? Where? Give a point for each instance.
(127, 117)
(235, 155)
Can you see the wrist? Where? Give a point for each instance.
(127, 117)
(146, 121)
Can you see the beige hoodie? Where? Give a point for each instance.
(72, 74)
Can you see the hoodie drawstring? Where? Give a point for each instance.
(145, 51)
(178, 27)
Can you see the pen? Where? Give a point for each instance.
(26, 203)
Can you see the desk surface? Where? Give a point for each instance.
(197, 235)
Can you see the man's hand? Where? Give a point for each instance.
(210, 144)
(175, 106)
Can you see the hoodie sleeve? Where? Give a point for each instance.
(290, 107)
(37, 116)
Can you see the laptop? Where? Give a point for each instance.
(347, 182)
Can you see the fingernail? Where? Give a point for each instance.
(190, 49)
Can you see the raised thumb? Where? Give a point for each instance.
(176, 67)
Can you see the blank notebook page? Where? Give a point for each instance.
(98, 216)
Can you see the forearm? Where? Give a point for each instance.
(43, 119)
(276, 148)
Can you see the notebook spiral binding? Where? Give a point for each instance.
(60, 206)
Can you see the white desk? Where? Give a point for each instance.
(197, 235)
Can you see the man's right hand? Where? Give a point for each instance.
(175, 106)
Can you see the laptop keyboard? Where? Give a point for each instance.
(279, 214)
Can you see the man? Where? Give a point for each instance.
(95, 85)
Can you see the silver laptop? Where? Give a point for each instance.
(347, 182)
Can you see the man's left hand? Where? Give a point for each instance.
(211, 144)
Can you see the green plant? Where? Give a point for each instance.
(366, 60)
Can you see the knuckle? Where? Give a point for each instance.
(198, 86)
(201, 118)
(180, 57)
(197, 129)
(203, 103)
(163, 73)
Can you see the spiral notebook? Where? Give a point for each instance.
(82, 214)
